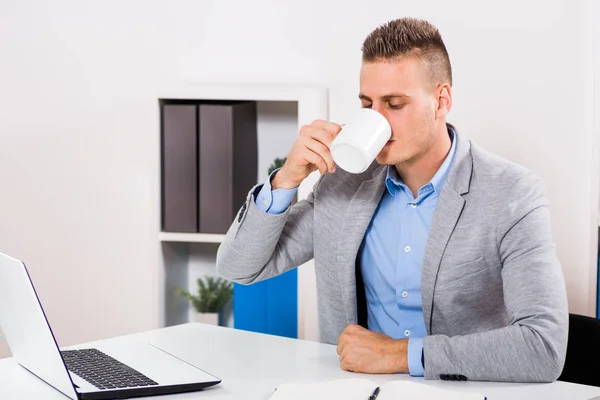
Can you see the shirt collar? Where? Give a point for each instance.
(393, 180)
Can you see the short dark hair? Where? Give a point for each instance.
(410, 37)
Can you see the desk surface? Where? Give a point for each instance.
(251, 365)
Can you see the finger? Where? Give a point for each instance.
(323, 151)
(345, 363)
(320, 135)
(330, 127)
(342, 338)
(342, 358)
(340, 342)
(344, 366)
(317, 160)
(316, 133)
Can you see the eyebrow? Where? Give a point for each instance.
(384, 98)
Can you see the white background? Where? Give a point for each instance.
(79, 142)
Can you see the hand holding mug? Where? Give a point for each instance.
(310, 152)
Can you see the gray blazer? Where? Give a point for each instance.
(493, 292)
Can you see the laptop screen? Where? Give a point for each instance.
(26, 327)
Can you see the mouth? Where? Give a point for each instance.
(388, 143)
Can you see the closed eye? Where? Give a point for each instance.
(395, 106)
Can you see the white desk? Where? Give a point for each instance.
(251, 365)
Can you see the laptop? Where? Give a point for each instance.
(105, 372)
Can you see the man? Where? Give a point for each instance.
(436, 261)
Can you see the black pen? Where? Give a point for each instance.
(373, 395)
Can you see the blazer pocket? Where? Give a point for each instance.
(462, 270)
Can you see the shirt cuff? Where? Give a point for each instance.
(415, 352)
(274, 201)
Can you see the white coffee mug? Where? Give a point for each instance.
(360, 140)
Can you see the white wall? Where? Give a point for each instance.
(79, 156)
(4, 350)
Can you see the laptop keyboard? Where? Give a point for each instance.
(103, 371)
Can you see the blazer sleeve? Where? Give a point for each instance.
(259, 245)
(532, 348)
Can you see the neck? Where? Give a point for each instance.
(417, 172)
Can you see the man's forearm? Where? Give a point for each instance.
(515, 353)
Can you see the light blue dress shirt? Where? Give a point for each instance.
(274, 201)
(391, 254)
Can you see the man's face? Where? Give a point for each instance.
(404, 94)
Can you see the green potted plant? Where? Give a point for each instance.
(277, 163)
(213, 294)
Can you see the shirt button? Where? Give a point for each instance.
(404, 294)
(407, 249)
(407, 333)
(413, 205)
(265, 203)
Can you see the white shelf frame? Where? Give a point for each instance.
(191, 237)
(313, 103)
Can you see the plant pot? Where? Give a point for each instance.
(207, 318)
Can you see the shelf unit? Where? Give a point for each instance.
(282, 109)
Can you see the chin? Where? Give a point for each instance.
(381, 159)
(385, 161)
(388, 158)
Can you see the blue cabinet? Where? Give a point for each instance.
(270, 306)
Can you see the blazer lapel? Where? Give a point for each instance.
(357, 217)
(445, 217)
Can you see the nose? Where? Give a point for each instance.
(379, 108)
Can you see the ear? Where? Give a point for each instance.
(444, 100)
